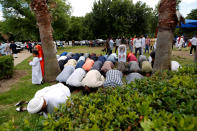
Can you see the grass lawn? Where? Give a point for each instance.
(24, 90)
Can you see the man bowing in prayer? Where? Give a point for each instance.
(48, 98)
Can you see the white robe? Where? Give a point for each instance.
(36, 71)
(54, 95)
(179, 43)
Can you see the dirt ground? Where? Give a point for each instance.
(21, 57)
(5, 84)
(183, 54)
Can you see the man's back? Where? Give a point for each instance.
(54, 95)
(194, 41)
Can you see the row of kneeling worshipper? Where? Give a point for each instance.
(90, 70)
(84, 70)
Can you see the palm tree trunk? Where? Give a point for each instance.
(167, 24)
(44, 23)
(195, 58)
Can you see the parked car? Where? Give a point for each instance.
(77, 43)
(83, 42)
(19, 46)
(100, 42)
(59, 43)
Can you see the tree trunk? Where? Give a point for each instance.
(195, 57)
(167, 25)
(44, 23)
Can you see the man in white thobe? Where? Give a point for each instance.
(48, 98)
(143, 44)
(179, 42)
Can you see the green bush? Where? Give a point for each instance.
(6, 66)
(165, 101)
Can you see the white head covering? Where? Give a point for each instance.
(35, 105)
(175, 66)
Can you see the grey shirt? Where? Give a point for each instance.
(65, 74)
(97, 66)
(133, 76)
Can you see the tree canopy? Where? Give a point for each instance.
(20, 21)
(115, 18)
(192, 15)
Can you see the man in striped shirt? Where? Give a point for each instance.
(113, 78)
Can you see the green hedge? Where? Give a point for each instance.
(6, 66)
(166, 101)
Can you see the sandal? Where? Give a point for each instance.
(21, 103)
(21, 109)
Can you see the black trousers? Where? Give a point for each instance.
(136, 50)
(116, 48)
(193, 47)
(109, 51)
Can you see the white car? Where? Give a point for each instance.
(83, 42)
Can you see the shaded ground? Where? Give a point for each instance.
(5, 84)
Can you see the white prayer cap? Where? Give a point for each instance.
(35, 105)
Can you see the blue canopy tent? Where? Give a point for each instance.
(188, 24)
(193, 22)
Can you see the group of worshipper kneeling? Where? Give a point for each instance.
(89, 71)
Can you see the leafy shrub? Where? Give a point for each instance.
(165, 101)
(6, 67)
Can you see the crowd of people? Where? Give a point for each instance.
(88, 72)
(8, 49)
(182, 42)
(143, 44)
(136, 44)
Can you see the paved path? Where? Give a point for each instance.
(21, 57)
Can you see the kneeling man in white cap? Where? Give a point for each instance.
(48, 98)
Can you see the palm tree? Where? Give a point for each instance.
(166, 27)
(44, 23)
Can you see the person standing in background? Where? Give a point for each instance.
(194, 44)
(131, 43)
(13, 48)
(138, 45)
(30, 47)
(8, 51)
(118, 42)
(2, 49)
(143, 44)
(147, 44)
(179, 42)
(111, 45)
(152, 42)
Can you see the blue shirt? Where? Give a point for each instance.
(76, 56)
(80, 64)
(64, 54)
(102, 59)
